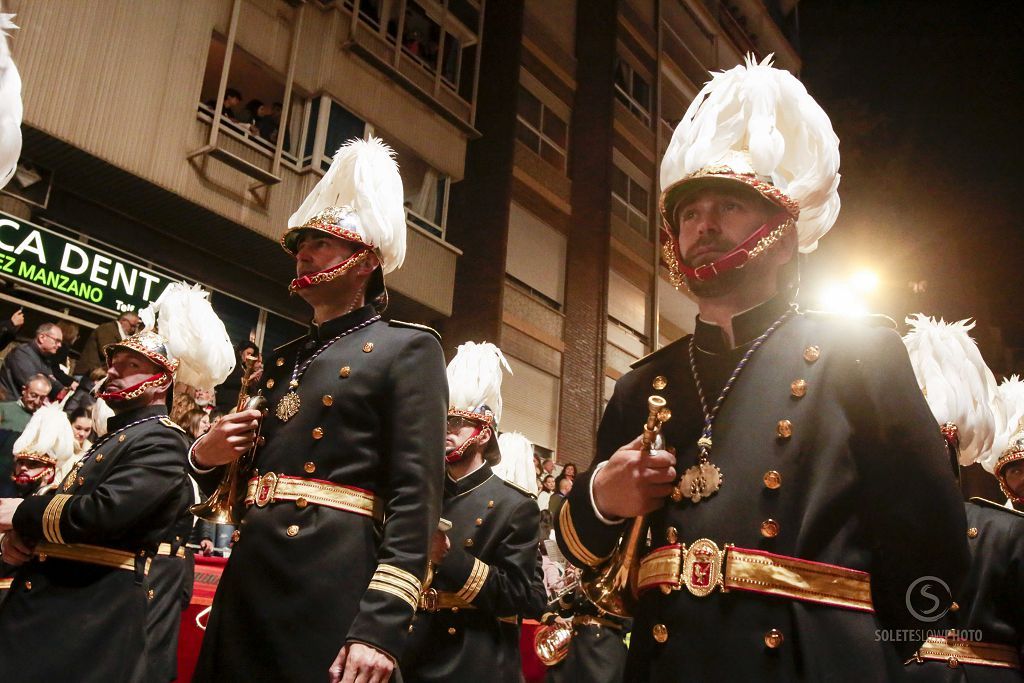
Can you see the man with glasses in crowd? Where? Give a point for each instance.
(109, 332)
(32, 359)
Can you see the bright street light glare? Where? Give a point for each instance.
(864, 281)
(840, 298)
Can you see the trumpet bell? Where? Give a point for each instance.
(217, 509)
(551, 643)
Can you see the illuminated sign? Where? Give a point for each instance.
(50, 261)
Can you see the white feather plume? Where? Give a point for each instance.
(364, 176)
(516, 463)
(767, 112)
(100, 413)
(474, 378)
(48, 432)
(182, 315)
(1008, 408)
(10, 106)
(957, 384)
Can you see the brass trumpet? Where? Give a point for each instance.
(612, 588)
(551, 642)
(219, 507)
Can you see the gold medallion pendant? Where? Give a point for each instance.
(698, 482)
(288, 406)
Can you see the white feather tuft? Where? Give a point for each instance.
(516, 463)
(957, 384)
(1008, 408)
(474, 378)
(767, 113)
(364, 176)
(10, 106)
(195, 335)
(49, 432)
(100, 413)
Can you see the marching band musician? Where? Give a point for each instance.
(596, 652)
(784, 536)
(80, 599)
(319, 585)
(487, 574)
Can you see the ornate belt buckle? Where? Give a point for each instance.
(702, 567)
(428, 601)
(265, 489)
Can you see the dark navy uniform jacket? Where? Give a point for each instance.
(69, 620)
(298, 584)
(864, 484)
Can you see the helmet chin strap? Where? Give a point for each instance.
(458, 453)
(158, 380)
(50, 470)
(328, 274)
(738, 257)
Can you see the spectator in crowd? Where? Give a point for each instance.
(261, 120)
(81, 425)
(275, 113)
(92, 356)
(547, 489)
(9, 328)
(83, 396)
(569, 470)
(181, 406)
(14, 417)
(33, 358)
(232, 99)
(550, 467)
(227, 392)
(62, 363)
(563, 485)
(197, 422)
(215, 415)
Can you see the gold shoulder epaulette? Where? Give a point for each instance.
(416, 326)
(168, 422)
(519, 488)
(653, 354)
(985, 502)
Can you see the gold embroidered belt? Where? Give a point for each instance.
(89, 554)
(955, 652)
(165, 549)
(5, 584)
(433, 600)
(275, 488)
(704, 566)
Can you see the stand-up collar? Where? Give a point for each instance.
(334, 327)
(453, 487)
(121, 419)
(746, 326)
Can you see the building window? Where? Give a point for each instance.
(536, 256)
(253, 104)
(541, 129)
(631, 202)
(329, 125)
(633, 90)
(426, 188)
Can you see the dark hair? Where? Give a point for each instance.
(80, 411)
(253, 106)
(575, 470)
(192, 419)
(231, 92)
(544, 479)
(246, 344)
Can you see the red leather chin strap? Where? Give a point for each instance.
(456, 455)
(737, 258)
(136, 390)
(325, 275)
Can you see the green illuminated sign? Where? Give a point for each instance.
(48, 260)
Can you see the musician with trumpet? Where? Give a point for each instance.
(785, 544)
(340, 498)
(487, 575)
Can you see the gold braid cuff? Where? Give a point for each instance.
(51, 518)
(955, 652)
(475, 582)
(397, 582)
(572, 540)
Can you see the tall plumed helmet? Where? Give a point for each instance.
(1008, 445)
(516, 464)
(195, 337)
(10, 105)
(474, 390)
(957, 384)
(757, 125)
(48, 439)
(359, 199)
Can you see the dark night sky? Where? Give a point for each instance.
(926, 98)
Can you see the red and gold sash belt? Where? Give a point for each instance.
(89, 554)
(955, 652)
(704, 567)
(276, 488)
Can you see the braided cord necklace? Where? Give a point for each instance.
(704, 479)
(290, 402)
